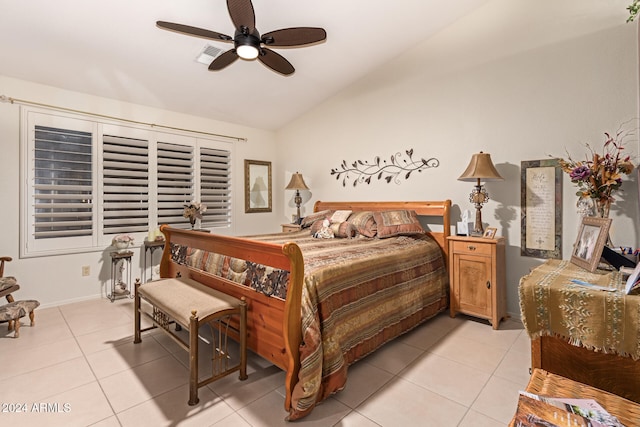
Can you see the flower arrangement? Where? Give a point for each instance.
(194, 210)
(600, 174)
(122, 238)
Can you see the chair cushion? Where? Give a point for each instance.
(8, 283)
(17, 309)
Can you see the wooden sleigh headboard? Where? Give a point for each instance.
(439, 209)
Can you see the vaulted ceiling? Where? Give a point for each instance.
(113, 49)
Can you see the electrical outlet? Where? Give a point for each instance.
(86, 270)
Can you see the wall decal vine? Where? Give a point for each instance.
(362, 171)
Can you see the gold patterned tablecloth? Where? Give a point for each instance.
(551, 304)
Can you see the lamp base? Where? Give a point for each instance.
(477, 227)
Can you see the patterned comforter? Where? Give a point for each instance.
(358, 294)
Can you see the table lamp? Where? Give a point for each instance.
(297, 183)
(480, 168)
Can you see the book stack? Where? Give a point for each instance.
(539, 411)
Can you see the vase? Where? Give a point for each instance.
(192, 220)
(588, 206)
(585, 207)
(602, 208)
(121, 246)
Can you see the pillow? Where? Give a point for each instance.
(343, 229)
(397, 223)
(363, 222)
(340, 229)
(340, 216)
(308, 220)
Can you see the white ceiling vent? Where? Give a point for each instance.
(208, 54)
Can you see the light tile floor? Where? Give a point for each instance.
(79, 367)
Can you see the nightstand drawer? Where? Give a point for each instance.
(290, 228)
(475, 248)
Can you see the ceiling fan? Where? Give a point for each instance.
(248, 44)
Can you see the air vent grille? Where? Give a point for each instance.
(208, 54)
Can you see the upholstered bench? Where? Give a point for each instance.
(13, 311)
(191, 304)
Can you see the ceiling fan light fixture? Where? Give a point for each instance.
(247, 52)
(247, 44)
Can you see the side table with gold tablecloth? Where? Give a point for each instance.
(590, 336)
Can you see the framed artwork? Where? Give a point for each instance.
(257, 186)
(541, 209)
(490, 233)
(592, 236)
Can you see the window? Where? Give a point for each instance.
(88, 181)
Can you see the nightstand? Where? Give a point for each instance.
(290, 228)
(477, 277)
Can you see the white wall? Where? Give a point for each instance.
(509, 80)
(58, 279)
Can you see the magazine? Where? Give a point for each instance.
(633, 282)
(537, 411)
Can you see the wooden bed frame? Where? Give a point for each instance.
(273, 325)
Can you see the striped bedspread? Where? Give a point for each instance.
(358, 294)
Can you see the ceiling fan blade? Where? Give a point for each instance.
(224, 60)
(275, 61)
(242, 14)
(294, 36)
(193, 31)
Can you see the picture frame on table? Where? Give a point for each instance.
(592, 236)
(490, 233)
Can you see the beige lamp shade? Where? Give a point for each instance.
(481, 168)
(296, 183)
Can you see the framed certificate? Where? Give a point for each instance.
(541, 209)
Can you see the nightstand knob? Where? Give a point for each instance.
(488, 284)
(471, 247)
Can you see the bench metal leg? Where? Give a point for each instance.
(136, 313)
(193, 358)
(243, 339)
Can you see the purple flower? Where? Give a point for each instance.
(580, 173)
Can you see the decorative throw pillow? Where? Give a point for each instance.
(339, 229)
(344, 230)
(363, 222)
(340, 216)
(308, 220)
(397, 223)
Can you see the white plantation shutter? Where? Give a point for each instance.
(62, 183)
(86, 181)
(215, 186)
(176, 173)
(125, 185)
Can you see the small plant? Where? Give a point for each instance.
(194, 210)
(634, 9)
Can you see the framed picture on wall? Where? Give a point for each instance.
(257, 186)
(541, 209)
(592, 236)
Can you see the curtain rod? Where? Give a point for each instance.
(4, 98)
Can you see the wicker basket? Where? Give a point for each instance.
(547, 384)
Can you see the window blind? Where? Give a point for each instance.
(125, 185)
(215, 186)
(62, 183)
(175, 182)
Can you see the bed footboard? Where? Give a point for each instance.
(273, 325)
